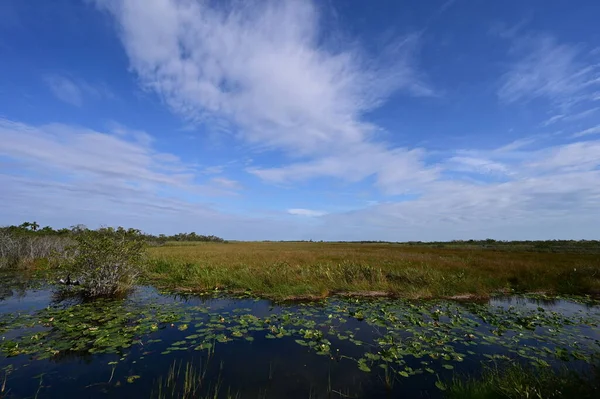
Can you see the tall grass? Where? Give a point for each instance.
(188, 380)
(318, 269)
(518, 382)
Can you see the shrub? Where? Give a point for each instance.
(18, 249)
(106, 261)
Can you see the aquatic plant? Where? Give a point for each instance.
(514, 381)
(390, 340)
(188, 380)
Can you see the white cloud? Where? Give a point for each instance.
(266, 71)
(65, 90)
(552, 193)
(545, 68)
(63, 175)
(226, 183)
(74, 91)
(477, 165)
(396, 170)
(123, 160)
(306, 212)
(581, 156)
(586, 132)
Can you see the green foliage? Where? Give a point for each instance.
(107, 260)
(516, 382)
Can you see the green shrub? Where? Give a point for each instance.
(106, 261)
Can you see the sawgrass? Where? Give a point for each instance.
(299, 269)
(516, 382)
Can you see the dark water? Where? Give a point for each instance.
(419, 343)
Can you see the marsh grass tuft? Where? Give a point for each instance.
(517, 382)
(188, 380)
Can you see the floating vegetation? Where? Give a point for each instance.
(393, 339)
(443, 331)
(101, 326)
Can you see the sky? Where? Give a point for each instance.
(394, 120)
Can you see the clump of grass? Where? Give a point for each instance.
(301, 269)
(518, 382)
(186, 381)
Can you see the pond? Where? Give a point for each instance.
(160, 345)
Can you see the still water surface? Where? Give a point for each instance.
(251, 348)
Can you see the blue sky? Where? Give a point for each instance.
(334, 120)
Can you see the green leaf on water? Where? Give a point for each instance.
(364, 367)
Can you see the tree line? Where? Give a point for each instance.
(32, 229)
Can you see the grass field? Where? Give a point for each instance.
(305, 269)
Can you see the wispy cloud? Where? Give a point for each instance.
(552, 192)
(396, 171)
(123, 160)
(587, 132)
(65, 174)
(267, 72)
(476, 165)
(305, 212)
(74, 91)
(575, 116)
(226, 183)
(545, 68)
(65, 90)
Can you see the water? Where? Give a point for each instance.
(336, 348)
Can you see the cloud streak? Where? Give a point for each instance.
(545, 68)
(74, 91)
(305, 212)
(119, 165)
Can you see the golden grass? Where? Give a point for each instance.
(284, 269)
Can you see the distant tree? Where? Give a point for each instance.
(47, 230)
(78, 228)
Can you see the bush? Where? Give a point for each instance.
(106, 261)
(18, 249)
